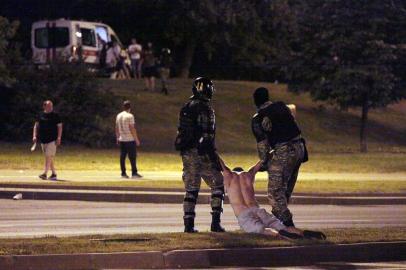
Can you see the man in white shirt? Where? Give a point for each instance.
(135, 50)
(127, 138)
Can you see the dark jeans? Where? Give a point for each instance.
(130, 149)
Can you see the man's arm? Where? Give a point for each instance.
(117, 134)
(205, 123)
(135, 135)
(35, 132)
(223, 165)
(59, 139)
(263, 146)
(254, 169)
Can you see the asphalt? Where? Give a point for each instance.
(149, 195)
(253, 257)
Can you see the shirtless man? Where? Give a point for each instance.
(251, 218)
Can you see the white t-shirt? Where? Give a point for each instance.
(135, 51)
(123, 121)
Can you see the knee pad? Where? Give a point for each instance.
(217, 198)
(191, 196)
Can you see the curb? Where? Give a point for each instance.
(176, 197)
(244, 257)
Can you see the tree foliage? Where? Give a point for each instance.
(7, 52)
(83, 105)
(351, 53)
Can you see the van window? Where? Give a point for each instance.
(88, 37)
(51, 37)
(102, 33)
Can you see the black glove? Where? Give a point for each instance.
(289, 235)
(205, 147)
(314, 235)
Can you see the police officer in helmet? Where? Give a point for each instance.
(196, 142)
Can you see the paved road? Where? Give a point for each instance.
(29, 218)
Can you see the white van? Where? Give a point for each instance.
(68, 40)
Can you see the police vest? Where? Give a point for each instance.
(283, 125)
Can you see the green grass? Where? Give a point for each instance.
(18, 157)
(326, 128)
(172, 241)
(335, 164)
(302, 186)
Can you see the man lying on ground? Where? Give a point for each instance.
(239, 186)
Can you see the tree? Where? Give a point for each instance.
(351, 53)
(211, 24)
(7, 32)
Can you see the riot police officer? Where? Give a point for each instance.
(276, 132)
(196, 142)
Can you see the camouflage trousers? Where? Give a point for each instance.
(283, 169)
(196, 167)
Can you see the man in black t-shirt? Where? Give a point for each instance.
(48, 127)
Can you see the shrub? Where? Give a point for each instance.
(86, 108)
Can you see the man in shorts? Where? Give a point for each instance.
(239, 186)
(49, 128)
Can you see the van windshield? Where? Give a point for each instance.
(88, 37)
(51, 37)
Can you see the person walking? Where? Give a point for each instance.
(149, 67)
(135, 50)
(127, 139)
(196, 142)
(165, 61)
(278, 135)
(48, 131)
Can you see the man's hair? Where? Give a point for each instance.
(126, 105)
(260, 96)
(238, 169)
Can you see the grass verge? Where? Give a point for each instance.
(172, 241)
(302, 186)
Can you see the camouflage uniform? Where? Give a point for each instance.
(200, 161)
(282, 162)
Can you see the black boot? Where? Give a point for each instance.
(215, 222)
(189, 225)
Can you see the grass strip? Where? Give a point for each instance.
(172, 241)
(302, 186)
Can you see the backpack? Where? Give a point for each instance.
(186, 136)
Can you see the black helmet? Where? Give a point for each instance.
(203, 87)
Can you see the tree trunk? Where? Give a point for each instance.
(187, 60)
(363, 131)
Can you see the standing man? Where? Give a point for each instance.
(196, 143)
(135, 50)
(275, 129)
(149, 67)
(165, 61)
(127, 138)
(49, 128)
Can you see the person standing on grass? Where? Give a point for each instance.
(280, 142)
(127, 139)
(196, 142)
(48, 127)
(135, 50)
